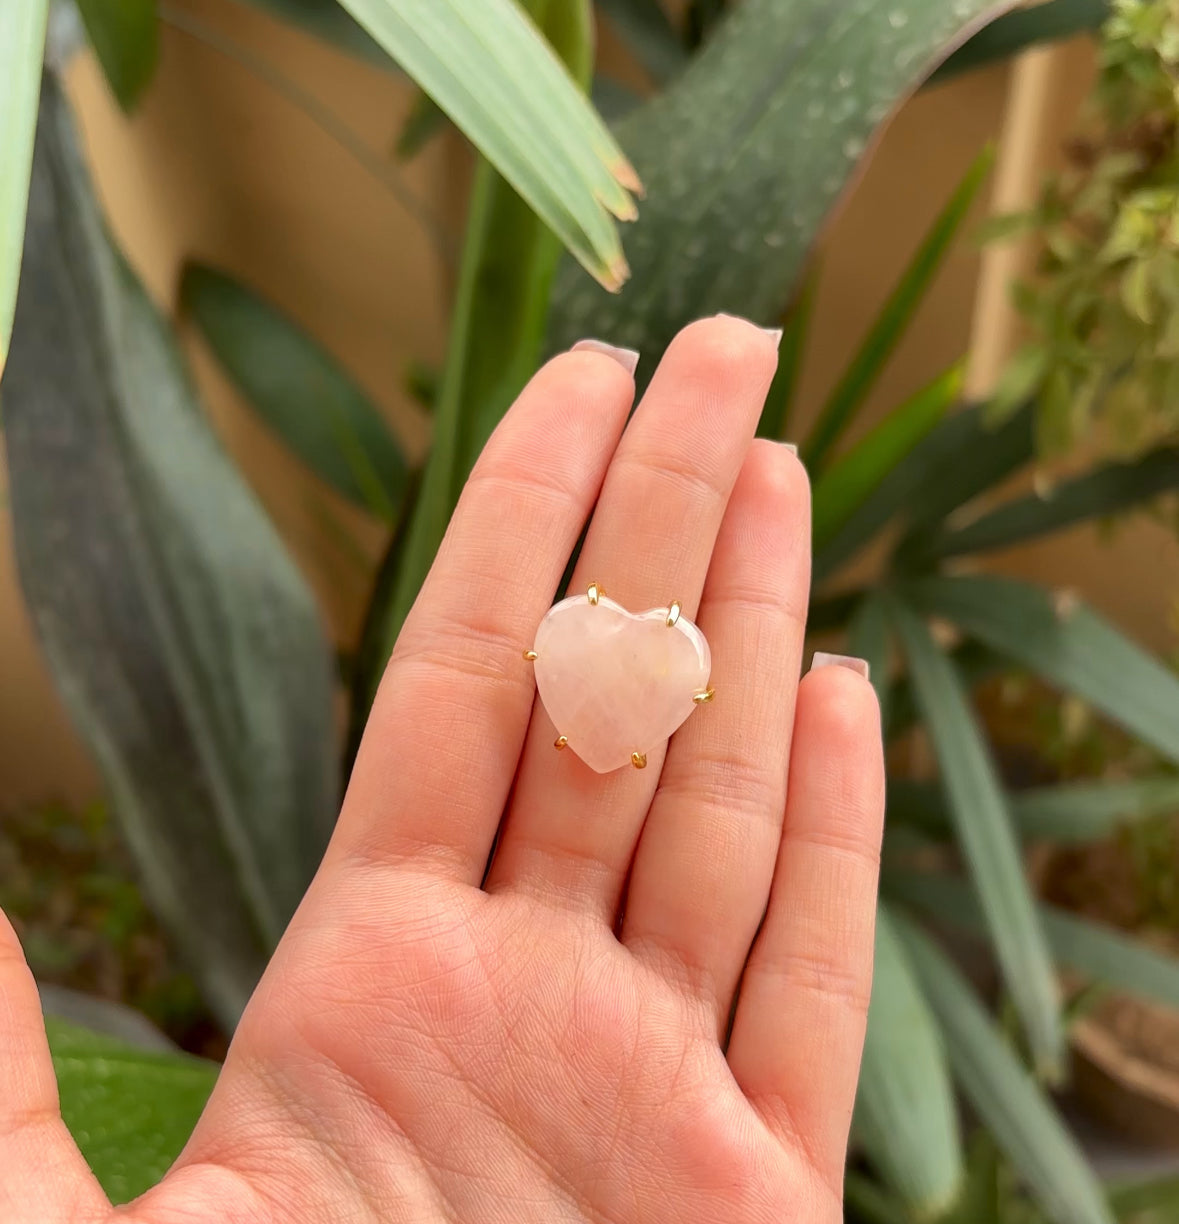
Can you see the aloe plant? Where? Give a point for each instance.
(743, 153)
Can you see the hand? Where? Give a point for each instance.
(552, 1043)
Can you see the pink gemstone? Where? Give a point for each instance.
(614, 682)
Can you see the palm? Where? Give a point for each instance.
(550, 1039)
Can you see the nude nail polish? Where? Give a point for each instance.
(627, 358)
(823, 659)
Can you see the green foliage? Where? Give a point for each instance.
(497, 332)
(130, 1111)
(124, 35)
(187, 648)
(527, 117)
(853, 388)
(905, 1117)
(300, 391)
(744, 155)
(22, 39)
(1103, 305)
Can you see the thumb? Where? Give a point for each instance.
(43, 1178)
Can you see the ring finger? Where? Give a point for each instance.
(570, 832)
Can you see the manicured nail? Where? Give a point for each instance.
(774, 333)
(822, 659)
(791, 447)
(627, 358)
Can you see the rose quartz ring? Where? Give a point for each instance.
(616, 683)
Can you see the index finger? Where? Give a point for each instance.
(442, 742)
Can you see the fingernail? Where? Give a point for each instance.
(627, 358)
(774, 333)
(791, 447)
(859, 666)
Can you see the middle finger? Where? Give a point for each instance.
(570, 833)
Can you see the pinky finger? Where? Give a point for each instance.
(43, 1177)
(799, 1029)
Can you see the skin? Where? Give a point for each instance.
(652, 1009)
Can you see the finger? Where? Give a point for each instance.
(44, 1176)
(799, 1027)
(443, 740)
(570, 833)
(706, 856)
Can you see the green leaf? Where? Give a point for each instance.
(1013, 32)
(744, 155)
(1066, 644)
(1003, 1094)
(844, 487)
(22, 43)
(868, 639)
(646, 29)
(130, 1110)
(125, 37)
(984, 829)
(864, 369)
(1107, 490)
(973, 662)
(425, 120)
(905, 1117)
(181, 637)
(497, 332)
(299, 390)
(489, 69)
(1071, 814)
(1094, 950)
(775, 416)
(954, 463)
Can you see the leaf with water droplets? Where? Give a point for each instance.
(744, 156)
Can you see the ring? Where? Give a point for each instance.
(616, 683)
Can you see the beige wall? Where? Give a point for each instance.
(224, 166)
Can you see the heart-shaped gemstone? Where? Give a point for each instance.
(614, 682)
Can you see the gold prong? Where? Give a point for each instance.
(531, 656)
(704, 696)
(673, 613)
(595, 592)
(638, 760)
(560, 742)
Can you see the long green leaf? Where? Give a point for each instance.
(497, 332)
(868, 639)
(130, 1110)
(646, 29)
(1003, 1094)
(1107, 490)
(1068, 645)
(746, 152)
(985, 832)
(973, 662)
(1093, 949)
(905, 1117)
(1024, 28)
(182, 639)
(867, 1203)
(1071, 814)
(488, 67)
(779, 405)
(22, 43)
(864, 369)
(299, 390)
(853, 477)
(125, 37)
(961, 457)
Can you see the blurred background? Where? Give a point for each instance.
(1005, 245)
